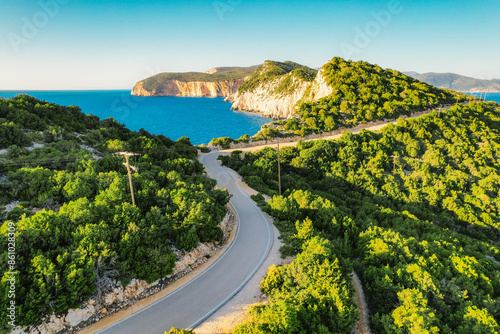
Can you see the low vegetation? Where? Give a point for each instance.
(223, 74)
(272, 70)
(414, 210)
(76, 229)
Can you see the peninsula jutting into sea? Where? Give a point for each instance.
(350, 210)
(350, 183)
(292, 83)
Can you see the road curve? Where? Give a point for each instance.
(191, 304)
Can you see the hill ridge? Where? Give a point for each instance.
(458, 82)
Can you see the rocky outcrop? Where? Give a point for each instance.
(194, 88)
(271, 102)
(276, 88)
(319, 88)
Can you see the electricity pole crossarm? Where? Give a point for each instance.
(136, 169)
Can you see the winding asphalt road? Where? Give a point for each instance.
(191, 304)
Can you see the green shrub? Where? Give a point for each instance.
(259, 199)
(224, 142)
(187, 240)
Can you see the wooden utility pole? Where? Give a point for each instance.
(136, 169)
(394, 160)
(279, 168)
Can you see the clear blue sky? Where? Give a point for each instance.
(111, 44)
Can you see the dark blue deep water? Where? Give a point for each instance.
(200, 119)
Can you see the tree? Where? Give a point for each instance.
(92, 236)
(414, 315)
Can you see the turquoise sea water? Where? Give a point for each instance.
(200, 119)
(489, 96)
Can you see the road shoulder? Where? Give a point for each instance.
(170, 288)
(235, 310)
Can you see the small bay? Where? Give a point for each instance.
(200, 119)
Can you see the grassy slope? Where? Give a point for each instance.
(223, 74)
(272, 70)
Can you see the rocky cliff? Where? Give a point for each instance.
(280, 95)
(194, 88)
(274, 89)
(216, 82)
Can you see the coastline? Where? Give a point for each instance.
(197, 118)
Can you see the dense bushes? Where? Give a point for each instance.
(414, 207)
(77, 226)
(310, 295)
(272, 70)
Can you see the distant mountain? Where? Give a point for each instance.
(411, 74)
(457, 82)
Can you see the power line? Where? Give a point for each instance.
(44, 161)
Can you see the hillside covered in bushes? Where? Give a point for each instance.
(75, 226)
(413, 209)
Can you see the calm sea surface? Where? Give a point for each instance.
(200, 119)
(489, 96)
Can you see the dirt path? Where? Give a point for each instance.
(363, 324)
(293, 141)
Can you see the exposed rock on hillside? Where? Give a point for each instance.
(278, 97)
(216, 82)
(194, 89)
